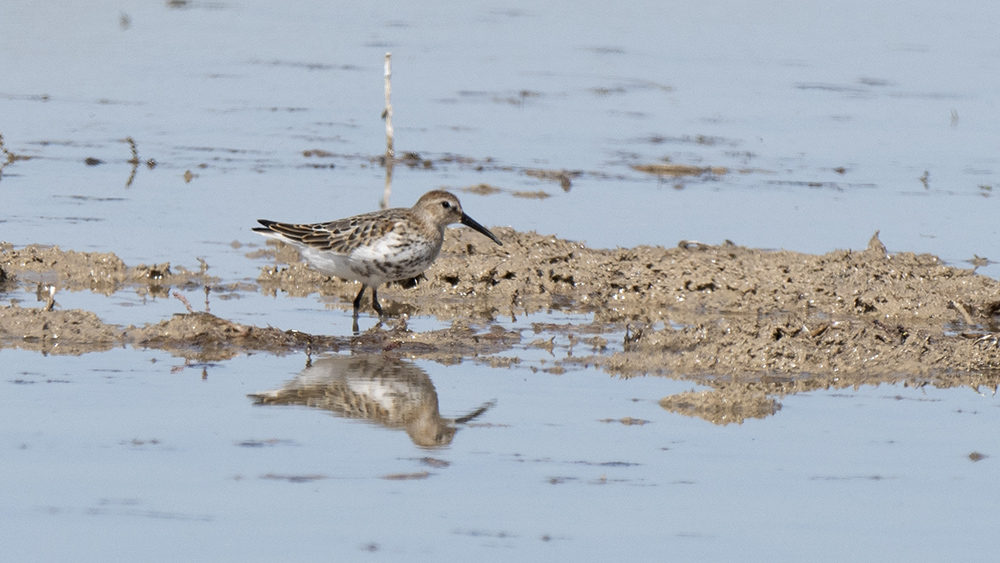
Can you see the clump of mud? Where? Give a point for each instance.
(102, 273)
(70, 332)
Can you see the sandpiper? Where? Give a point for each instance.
(378, 247)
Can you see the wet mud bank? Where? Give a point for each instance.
(750, 324)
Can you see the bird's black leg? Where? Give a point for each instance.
(357, 307)
(375, 303)
(357, 300)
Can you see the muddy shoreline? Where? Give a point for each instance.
(750, 324)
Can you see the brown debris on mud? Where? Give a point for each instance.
(748, 323)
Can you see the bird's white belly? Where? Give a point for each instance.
(390, 258)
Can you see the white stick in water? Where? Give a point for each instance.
(387, 115)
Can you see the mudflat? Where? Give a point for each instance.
(751, 324)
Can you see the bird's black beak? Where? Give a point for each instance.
(468, 222)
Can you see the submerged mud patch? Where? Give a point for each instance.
(749, 324)
(206, 337)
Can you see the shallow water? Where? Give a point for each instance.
(128, 454)
(826, 118)
(781, 96)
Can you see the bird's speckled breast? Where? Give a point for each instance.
(395, 257)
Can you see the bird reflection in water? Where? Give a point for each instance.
(386, 391)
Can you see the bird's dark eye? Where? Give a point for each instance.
(446, 205)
